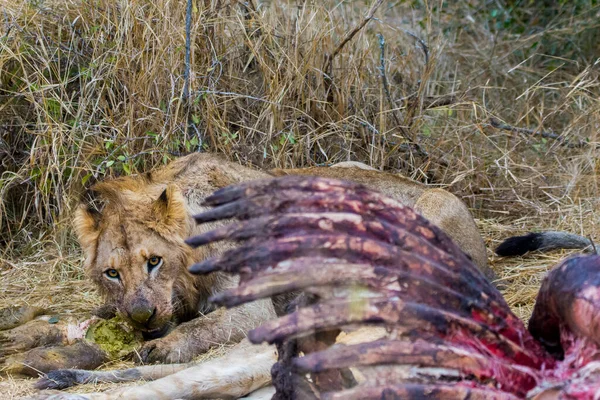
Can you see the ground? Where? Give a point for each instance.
(74, 296)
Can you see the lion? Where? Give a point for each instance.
(136, 255)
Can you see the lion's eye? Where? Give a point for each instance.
(112, 273)
(154, 262)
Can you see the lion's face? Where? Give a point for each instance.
(137, 270)
(136, 255)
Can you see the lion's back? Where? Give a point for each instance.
(439, 206)
(199, 174)
(395, 186)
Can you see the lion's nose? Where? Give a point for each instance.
(142, 314)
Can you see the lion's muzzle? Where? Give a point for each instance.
(141, 312)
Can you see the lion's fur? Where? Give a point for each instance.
(160, 205)
(151, 214)
(439, 206)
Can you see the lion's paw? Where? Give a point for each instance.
(62, 379)
(165, 351)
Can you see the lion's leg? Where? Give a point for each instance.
(197, 336)
(32, 334)
(42, 345)
(65, 378)
(265, 393)
(243, 370)
(11, 317)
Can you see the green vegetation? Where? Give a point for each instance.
(114, 336)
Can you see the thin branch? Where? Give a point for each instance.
(417, 104)
(545, 134)
(386, 89)
(422, 44)
(593, 244)
(353, 33)
(431, 101)
(328, 68)
(384, 81)
(249, 10)
(8, 26)
(233, 94)
(188, 47)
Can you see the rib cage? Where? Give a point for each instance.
(362, 259)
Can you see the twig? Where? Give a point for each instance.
(384, 81)
(8, 26)
(418, 100)
(422, 44)
(200, 138)
(386, 89)
(188, 47)
(186, 72)
(593, 244)
(430, 101)
(233, 94)
(248, 9)
(328, 68)
(545, 134)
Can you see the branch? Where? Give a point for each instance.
(593, 244)
(328, 68)
(384, 81)
(188, 46)
(422, 44)
(406, 134)
(545, 134)
(249, 9)
(431, 101)
(417, 103)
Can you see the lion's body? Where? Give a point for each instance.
(150, 214)
(438, 205)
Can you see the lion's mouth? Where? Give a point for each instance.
(155, 333)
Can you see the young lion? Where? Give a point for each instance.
(136, 255)
(135, 251)
(161, 220)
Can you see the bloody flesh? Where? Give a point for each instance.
(360, 258)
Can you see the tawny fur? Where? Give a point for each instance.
(163, 220)
(151, 215)
(438, 205)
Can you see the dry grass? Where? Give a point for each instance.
(90, 89)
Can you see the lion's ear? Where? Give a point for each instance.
(170, 211)
(86, 225)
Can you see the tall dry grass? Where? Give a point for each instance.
(94, 88)
(90, 89)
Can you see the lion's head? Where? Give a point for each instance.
(136, 255)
